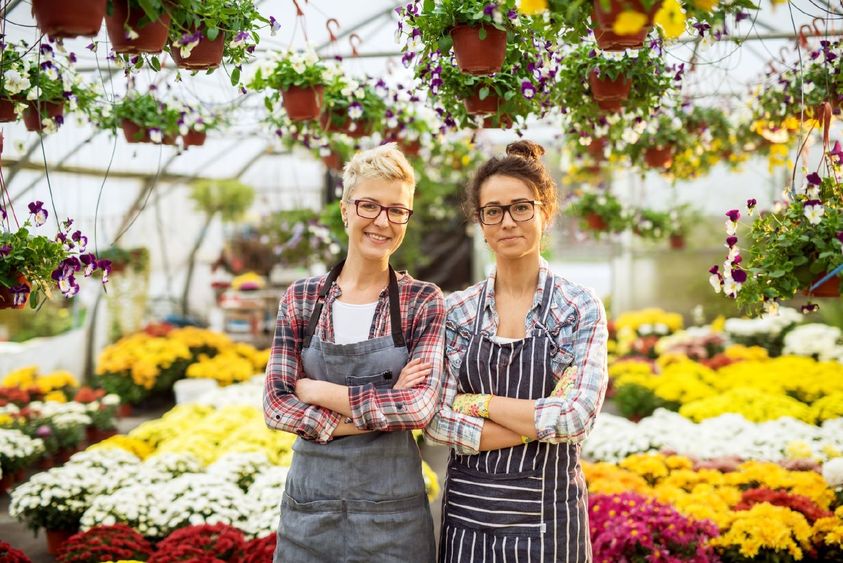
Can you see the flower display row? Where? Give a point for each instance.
(756, 512)
(728, 438)
(142, 363)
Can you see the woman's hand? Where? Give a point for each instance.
(414, 373)
(307, 390)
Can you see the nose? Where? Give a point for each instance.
(507, 220)
(381, 220)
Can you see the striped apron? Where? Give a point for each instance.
(527, 502)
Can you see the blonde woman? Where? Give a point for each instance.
(526, 376)
(355, 366)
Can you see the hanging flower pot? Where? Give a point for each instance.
(475, 106)
(56, 540)
(606, 18)
(60, 18)
(677, 242)
(659, 157)
(34, 120)
(205, 55)
(15, 297)
(604, 88)
(151, 37)
(7, 111)
(475, 55)
(303, 103)
(333, 162)
(610, 106)
(135, 133)
(410, 148)
(333, 121)
(597, 149)
(124, 410)
(497, 122)
(195, 138)
(830, 288)
(608, 40)
(595, 222)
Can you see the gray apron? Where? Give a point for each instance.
(356, 498)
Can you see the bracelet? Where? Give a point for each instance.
(526, 440)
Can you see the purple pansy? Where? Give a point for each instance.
(733, 215)
(731, 241)
(36, 208)
(5, 250)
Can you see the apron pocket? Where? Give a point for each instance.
(399, 530)
(311, 531)
(499, 503)
(383, 379)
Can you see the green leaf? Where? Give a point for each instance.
(155, 63)
(211, 33)
(483, 93)
(268, 104)
(482, 34)
(148, 7)
(235, 76)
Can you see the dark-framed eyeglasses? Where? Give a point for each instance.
(371, 210)
(520, 211)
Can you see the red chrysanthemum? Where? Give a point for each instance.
(105, 543)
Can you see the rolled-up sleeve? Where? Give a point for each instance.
(460, 431)
(407, 409)
(282, 409)
(570, 418)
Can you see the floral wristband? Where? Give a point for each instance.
(472, 404)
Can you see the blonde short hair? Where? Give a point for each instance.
(385, 162)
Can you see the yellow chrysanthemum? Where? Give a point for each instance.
(671, 19)
(21, 377)
(532, 7)
(629, 22)
(55, 396)
(707, 5)
(768, 527)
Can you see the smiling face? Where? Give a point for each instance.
(375, 239)
(510, 239)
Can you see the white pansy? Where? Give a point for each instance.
(15, 82)
(814, 213)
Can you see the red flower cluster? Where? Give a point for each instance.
(88, 395)
(17, 396)
(158, 329)
(259, 550)
(9, 554)
(632, 527)
(204, 543)
(105, 543)
(798, 503)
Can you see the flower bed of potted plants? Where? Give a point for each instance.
(300, 77)
(790, 250)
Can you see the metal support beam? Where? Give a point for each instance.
(165, 177)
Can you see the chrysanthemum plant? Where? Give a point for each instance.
(792, 248)
(31, 265)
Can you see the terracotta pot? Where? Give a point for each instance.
(7, 299)
(475, 106)
(410, 148)
(303, 104)
(7, 481)
(151, 38)
(60, 18)
(677, 242)
(604, 88)
(597, 149)
(32, 119)
(493, 122)
(361, 129)
(7, 111)
(57, 538)
(831, 288)
(94, 434)
(475, 55)
(595, 222)
(46, 463)
(606, 19)
(195, 138)
(610, 106)
(608, 40)
(333, 161)
(659, 157)
(134, 133)
(124, 410)
(206, 55)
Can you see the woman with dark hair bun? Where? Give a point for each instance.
(525, 378)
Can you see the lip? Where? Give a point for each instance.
(504, 239)
(386, 238)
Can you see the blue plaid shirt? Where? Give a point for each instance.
(577, 321)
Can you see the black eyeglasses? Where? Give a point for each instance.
(520, 211)
(371, 210)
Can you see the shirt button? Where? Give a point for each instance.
(277, 417)
(400, 406)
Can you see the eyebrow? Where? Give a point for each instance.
(388, 204)
(516, 200)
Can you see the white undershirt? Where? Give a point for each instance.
(504, 340)
(352, 322)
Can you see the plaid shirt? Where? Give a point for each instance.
(423, 318)
(577, 322)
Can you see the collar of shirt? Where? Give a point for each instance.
(327, 320)
(491, 310)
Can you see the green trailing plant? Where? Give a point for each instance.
(601, 204)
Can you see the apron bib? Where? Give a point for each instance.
(527, 502)
(356, 498)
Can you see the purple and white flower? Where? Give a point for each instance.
(813, 211)
(39, 214)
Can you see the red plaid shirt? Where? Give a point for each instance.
(423, 318)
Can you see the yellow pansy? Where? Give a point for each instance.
(671, 19)
(629, 22)
(532, 7)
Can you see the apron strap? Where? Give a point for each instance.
(394, 306)
(547, 294)
(481, 310)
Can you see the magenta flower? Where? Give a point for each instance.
(809, 308)
(714, 269)
(751, 203)
(731, 241)
(39, 214)
(814, 179)
(738, 275)
(528, 90)
(840, 236)
(733, 215)
(5, 250)
(19, 293)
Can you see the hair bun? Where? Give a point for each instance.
(525, 149)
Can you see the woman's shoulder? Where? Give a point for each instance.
(464, 303)
(577, 298)
(304, 289)
(420, 290)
